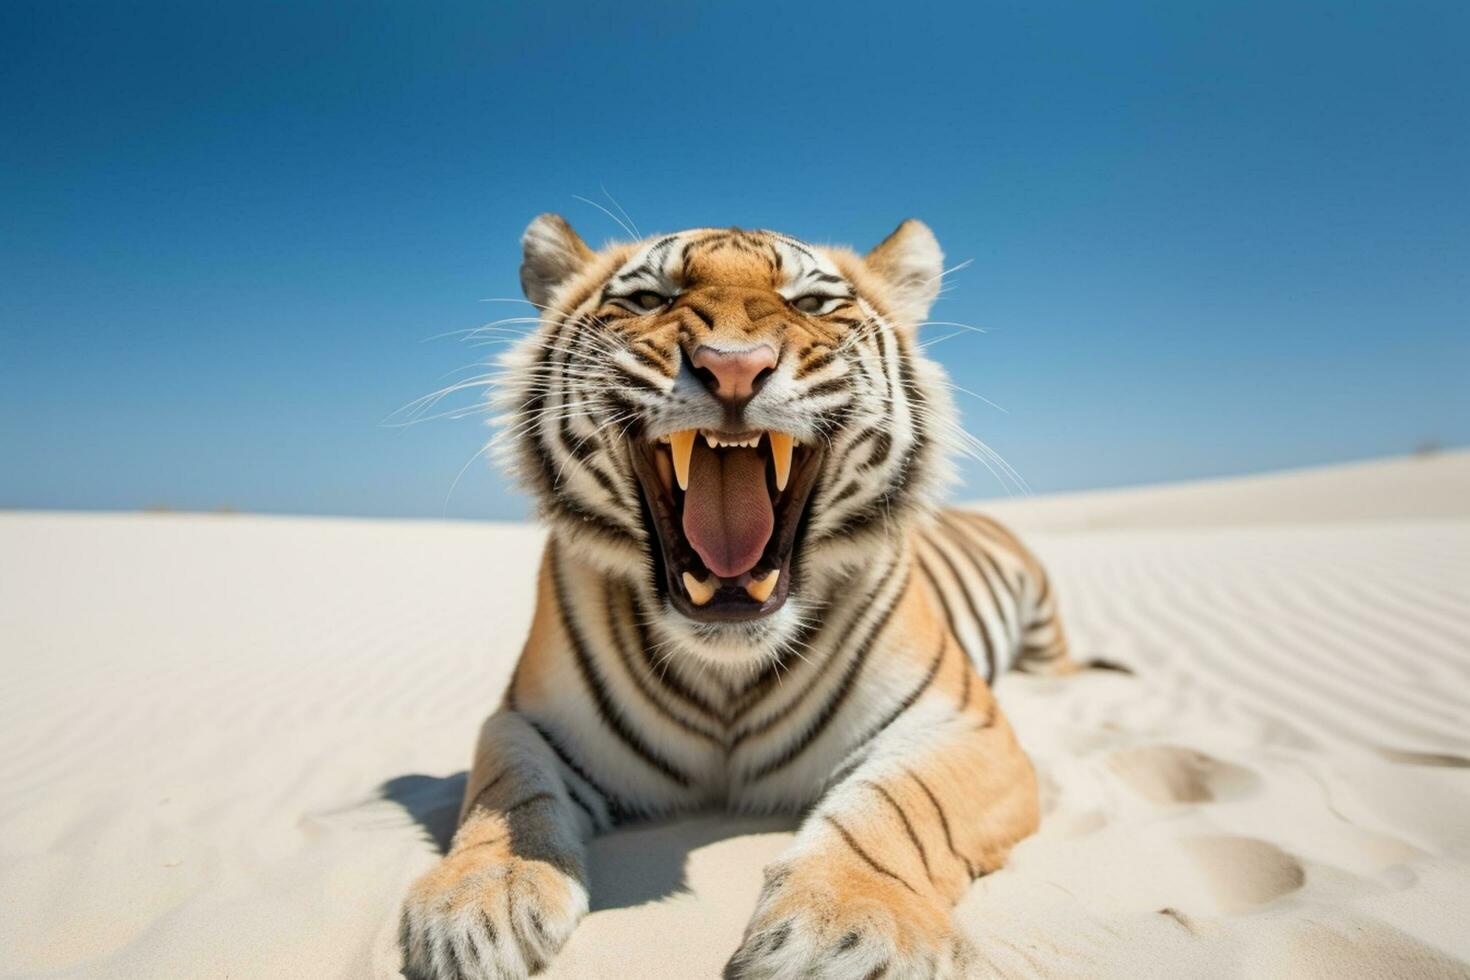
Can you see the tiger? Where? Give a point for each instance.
(749, 599)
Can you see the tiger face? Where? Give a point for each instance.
(731, 420)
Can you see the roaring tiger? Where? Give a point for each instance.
(748, 600)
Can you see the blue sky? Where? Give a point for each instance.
(1206, 238)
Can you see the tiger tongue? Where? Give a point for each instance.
(727, 510)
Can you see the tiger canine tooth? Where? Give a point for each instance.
(699, 592)
(760, 589)
(682, 445)
(781, 456)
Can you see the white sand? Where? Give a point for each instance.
(1410, 488)
(225, 742)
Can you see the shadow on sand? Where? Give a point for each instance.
(630, 866)
(432, 802)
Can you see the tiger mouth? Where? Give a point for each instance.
(728, 510)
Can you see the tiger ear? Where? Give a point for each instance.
(911, 265)
(552, 254)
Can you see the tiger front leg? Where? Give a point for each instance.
(513, 885)
(868, 887)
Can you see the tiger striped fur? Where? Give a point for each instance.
(857, 692)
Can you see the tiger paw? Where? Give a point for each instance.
(823, 917)
(484, 913)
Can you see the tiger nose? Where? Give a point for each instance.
(733, 376)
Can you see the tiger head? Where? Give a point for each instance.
(731, 421)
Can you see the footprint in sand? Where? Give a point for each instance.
(1413, 758)
(1242, 872)
(1169, 774)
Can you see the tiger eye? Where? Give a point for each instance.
(647, 299)
(809, 304)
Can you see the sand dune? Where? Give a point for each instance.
(229, 743)
(1410, 488)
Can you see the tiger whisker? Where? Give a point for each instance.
(619, 221)
(621, 210)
